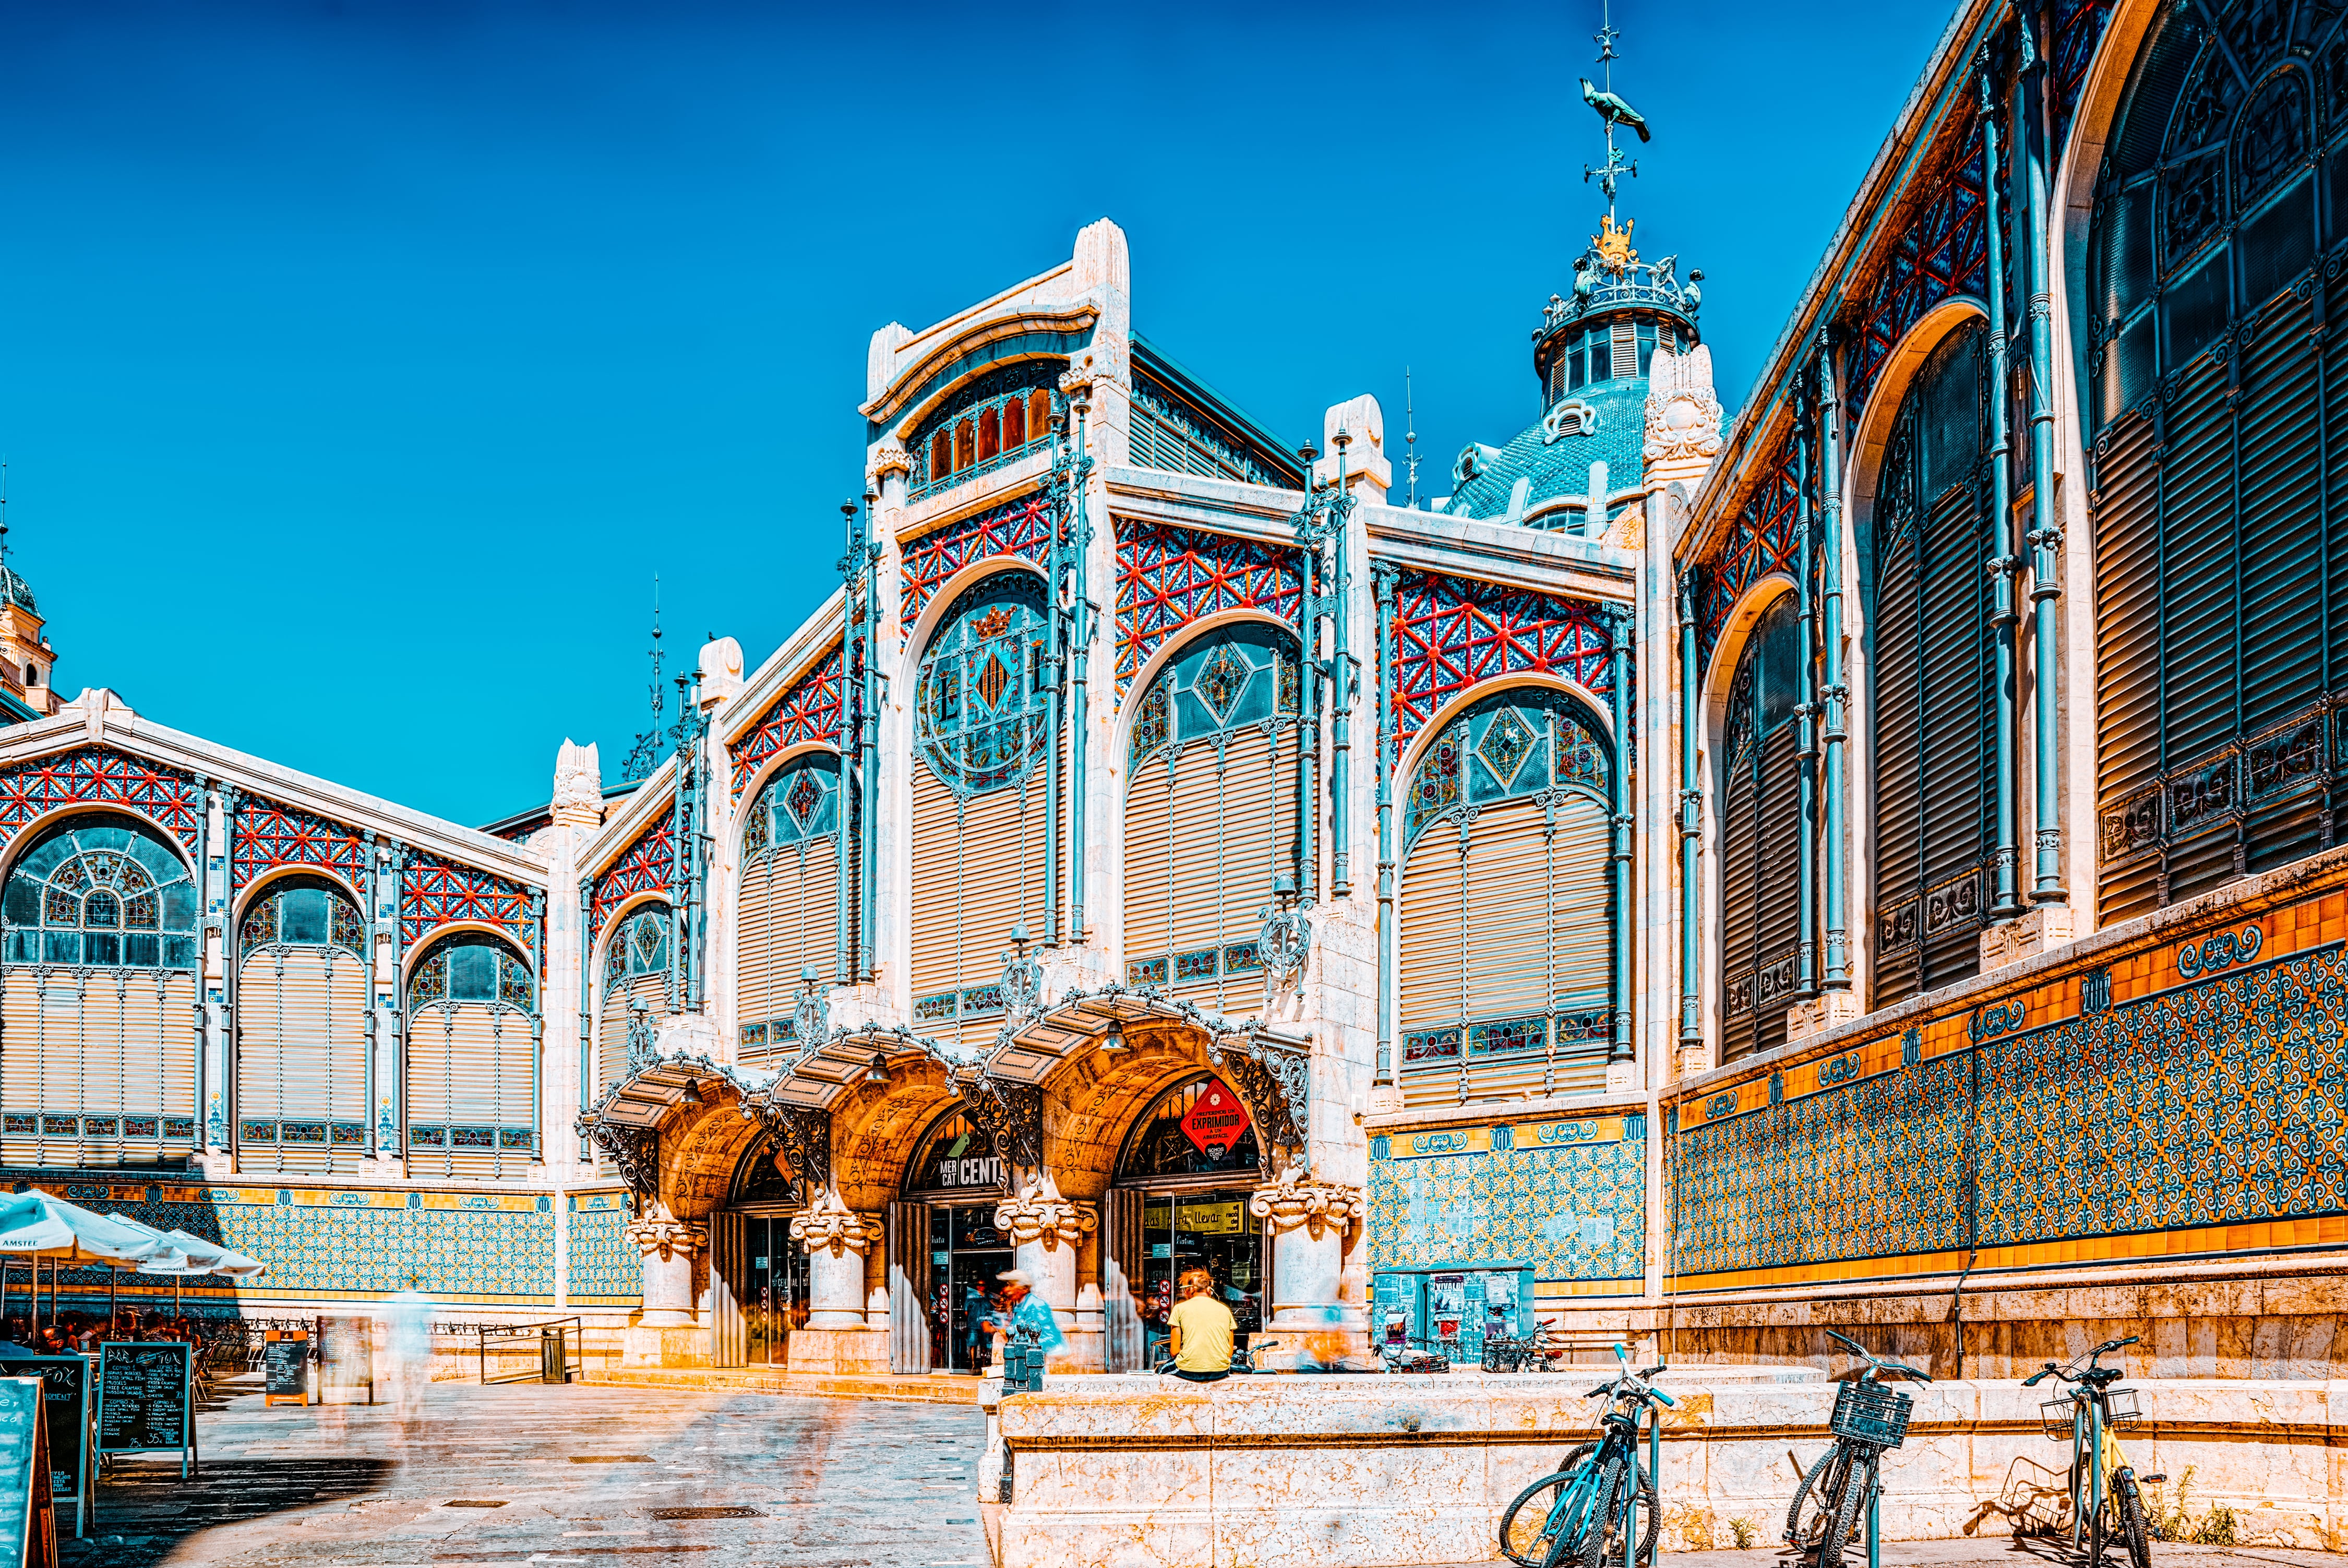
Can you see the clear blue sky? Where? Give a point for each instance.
(362, 361)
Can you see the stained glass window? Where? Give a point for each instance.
(472, 967)
(799, 803)
(1243, 674)
(101, 891)
(639, 947)
(302, 912)
(1176, 1137)
(1513, 743)
(979, 701)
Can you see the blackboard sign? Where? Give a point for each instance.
(285, 1368)
(142, 1396)
(26, 1510)
(65, 1406)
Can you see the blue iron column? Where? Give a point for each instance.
(1056, 708)
(1621, 625)
(2046, 534)
(685, 852)
(1382, 579)
(1833, 693)
(1805, 718)
(2004, 561)
(1082, 615)
(586, 1014)
(843, 884)
(1343, 684)
(1691, 822)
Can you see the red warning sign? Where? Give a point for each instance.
(1215, 1121)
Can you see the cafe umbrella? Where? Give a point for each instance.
(36, 1225)
(196, 1256)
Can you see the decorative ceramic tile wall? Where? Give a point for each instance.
(605, 1269)
(1570, 1198)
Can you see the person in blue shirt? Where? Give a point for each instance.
(1024, 1310)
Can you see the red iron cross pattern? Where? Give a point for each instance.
(1168, 577)
(808, 711)
(644, 867)
(1943, 250)
(100, 777)
(269, 835)
(1759, 540)
(1022, 527)
(1450, 633)
(434, 892)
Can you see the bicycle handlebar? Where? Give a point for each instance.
(2037, 1377)
(1883, 1367)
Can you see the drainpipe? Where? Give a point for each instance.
(1620, 627)
(2004, 560)
(1835, 694)
(1691, 823)
(2046, 534)
(1054, 714)
(842, 889)
(1805, 721)
(1382, 579)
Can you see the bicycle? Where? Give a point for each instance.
(1576, 1514)
(2087, 1416)
(1869, 1418)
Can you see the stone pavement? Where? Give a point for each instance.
(606, 1477)
(575, 1476)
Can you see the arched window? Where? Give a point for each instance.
(965, 445)
(472, 1060)
(1014, 423)
(990, 434)
(955, 1158)
(635, 971)
(979, 730)
(1039, 415)
(303, 1072)
(990, 420)
(1760, 838)
(2222, 564)
(97, 984)
(1933, 668)
(1182, 1137)
(1506, 962)
(1210, 813)
(788, 917)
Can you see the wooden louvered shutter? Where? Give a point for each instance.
(1148, 849)
(1507, 952)
(1431, 951)
(2198, 611)
(1897, 644)
(1581, 941)
(471, 1072)
(788, 916)
(2282, 618)
(1954, 771)
(289, 1063)
(974, 877)
(1122, 1249)
(936, 892)
(1776, 912)
(1205, 873)
(1740, 886)
(2127, 668)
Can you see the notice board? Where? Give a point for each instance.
(286, 1366)
(26, 1499)
(144, 1396)
(65, 1411)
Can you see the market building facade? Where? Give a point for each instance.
(1866, 860)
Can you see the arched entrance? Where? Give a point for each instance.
(764, 1271)
(953, 1185)
(1179, 1200)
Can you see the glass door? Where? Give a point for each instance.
(1209, 1230)
(966, 1254)
(775, 1287)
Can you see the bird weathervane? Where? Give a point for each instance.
(1614, 111)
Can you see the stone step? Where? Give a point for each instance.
(923, 1389)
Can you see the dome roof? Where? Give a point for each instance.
(17, 591)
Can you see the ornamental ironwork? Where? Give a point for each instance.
(1012, 1116)
(1276, 1078)
(1453, 633)
(269, 835)
(1169, 577)
(96, 775)
(633, 1153)
(1023, 528)
(646, 865)
(808, 711)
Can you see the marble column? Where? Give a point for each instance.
(1048, 1233)
(1310, 1312)
(668, 1245)
(837, 1239)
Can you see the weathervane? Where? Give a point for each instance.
(639, 764)
(1612, 110)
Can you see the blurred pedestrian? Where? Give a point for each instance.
(1025, 1312)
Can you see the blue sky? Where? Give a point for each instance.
(364, 361)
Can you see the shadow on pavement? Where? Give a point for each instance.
(145, 1510)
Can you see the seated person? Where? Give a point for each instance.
(1199, 1331)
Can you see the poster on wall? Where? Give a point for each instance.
(1446, 1301)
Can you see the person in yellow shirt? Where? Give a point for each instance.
(1199, 1331)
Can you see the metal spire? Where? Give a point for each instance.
(1616, 165)
(1409, 441)
(639, 764)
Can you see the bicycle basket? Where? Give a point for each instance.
(1872, 1413)
(2054, 1416)
(2121, 1408)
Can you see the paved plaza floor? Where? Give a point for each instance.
(601, 1477)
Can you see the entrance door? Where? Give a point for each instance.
(1209, 1230)
(774, 1293)
(966, 1254)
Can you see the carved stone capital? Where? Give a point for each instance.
(835, 1228)
(666, 1237)
(1320, 1207)
(891, 458)
(1040, 1214)
(1682, 412)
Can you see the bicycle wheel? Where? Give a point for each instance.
(1850, 1509)
(2131, 1501)
(1527, 1525)
(1820, 1486)
(1583, 1540)
(1647, 1522)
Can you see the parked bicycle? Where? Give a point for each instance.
(2104, 1500)
(1419, 1356)
(1836, 1492)
(1577, 1515)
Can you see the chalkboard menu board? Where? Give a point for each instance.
(26, 1512)
(65, 1409)
(142, 1396)
(285, 1368)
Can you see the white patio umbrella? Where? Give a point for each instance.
(213, 1257)
(35, 1225)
